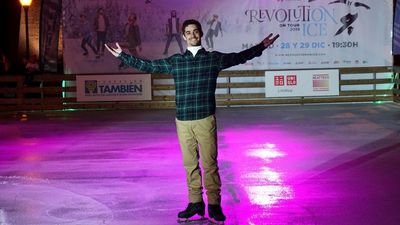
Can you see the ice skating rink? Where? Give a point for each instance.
(300, 165)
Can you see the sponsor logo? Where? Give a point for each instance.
(279, 80)
(291, 80)
(108, 88)
(320, 82)
(90, 87)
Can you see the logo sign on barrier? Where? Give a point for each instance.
(113, 87)
(301, 83)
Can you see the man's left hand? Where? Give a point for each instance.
(269, 41)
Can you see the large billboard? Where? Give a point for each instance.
(313, 33)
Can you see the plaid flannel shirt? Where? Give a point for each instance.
(195, 77)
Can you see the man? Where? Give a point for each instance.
(101, 24)
(172, 30)
(195, 74)
(132, 37)
(86, 34)
(215, 27)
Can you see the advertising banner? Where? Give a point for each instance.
(113, 87)
(396, 30)
(301, 83)
(317, 34)
(49, 34)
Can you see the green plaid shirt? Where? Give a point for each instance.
(195, 77)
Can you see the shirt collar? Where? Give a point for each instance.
(194, 50)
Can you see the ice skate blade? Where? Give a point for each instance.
(214, 222)
(200, 220)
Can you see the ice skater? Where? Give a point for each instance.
(87, 37)
(132, 37)
(101, 25)
(195, 74)
(213, 30)
(172, 30)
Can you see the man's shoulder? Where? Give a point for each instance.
(214, 53)
(175, 57)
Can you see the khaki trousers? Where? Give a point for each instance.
(198, 138)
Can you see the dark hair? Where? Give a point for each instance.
(189, 22)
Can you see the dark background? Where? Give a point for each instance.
(10, 13)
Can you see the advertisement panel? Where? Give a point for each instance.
(301, 83)
(132, 87)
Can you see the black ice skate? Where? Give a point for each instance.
(194, 213)
(216, 215)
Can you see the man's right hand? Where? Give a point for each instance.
(115, 51)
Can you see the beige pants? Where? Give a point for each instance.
(200, 133)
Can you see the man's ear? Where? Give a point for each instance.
(201, 33)
(184, 38)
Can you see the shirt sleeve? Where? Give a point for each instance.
(232, 59)
(149, 66)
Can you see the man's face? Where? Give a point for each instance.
(132, 19)
(192, 35)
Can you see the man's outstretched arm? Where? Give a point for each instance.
(149, 66)
(233, 59)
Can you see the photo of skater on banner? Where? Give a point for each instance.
(315, 33)
(396, 30)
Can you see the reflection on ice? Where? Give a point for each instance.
(268, 195)
(265, 173)
(265, 151)
(265, 185)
